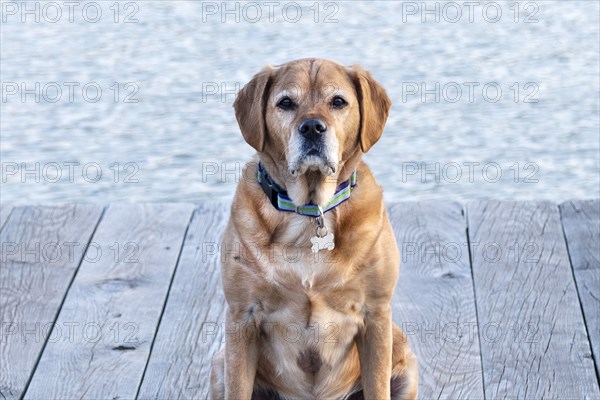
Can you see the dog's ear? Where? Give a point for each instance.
(374, 107)
(250, 107)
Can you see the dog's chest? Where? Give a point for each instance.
(312, 308)
(309, 324)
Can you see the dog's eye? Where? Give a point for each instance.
(338, 102)
(285, 104)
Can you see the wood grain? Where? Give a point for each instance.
(531, 332)
(5, 211)
(434, 302)
(191, 328)
(581, 225)
(533, 339)
(41, 250)
(115, 301)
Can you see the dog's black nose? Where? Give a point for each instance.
(312, 129)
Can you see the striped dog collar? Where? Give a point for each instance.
(281, 201)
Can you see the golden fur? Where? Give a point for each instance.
(304, 325)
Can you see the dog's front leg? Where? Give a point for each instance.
(374, 344)
(241, 357)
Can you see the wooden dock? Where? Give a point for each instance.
(498, 299)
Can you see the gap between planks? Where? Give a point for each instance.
(123, 297)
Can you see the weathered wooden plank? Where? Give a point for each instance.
(581, 224)
(5, 211)
(434, 302)
(191, 328)
(114, 305)
(533, 339)
(41, 250)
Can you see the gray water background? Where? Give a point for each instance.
(179, 142)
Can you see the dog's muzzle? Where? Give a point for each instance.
(313, 151)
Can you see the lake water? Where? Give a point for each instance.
(494, 100)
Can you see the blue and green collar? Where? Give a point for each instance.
(281, 201)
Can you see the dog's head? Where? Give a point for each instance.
(312, 115)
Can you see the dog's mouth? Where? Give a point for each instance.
(313, 159)
(313, 154)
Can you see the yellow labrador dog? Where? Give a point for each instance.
(309, 258)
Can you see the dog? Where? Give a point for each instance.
(309, 261)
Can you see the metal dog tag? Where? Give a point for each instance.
(323, 238)
(322, 241)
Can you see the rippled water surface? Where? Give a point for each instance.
(178, 140)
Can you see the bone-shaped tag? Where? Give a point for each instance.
(320, 243)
